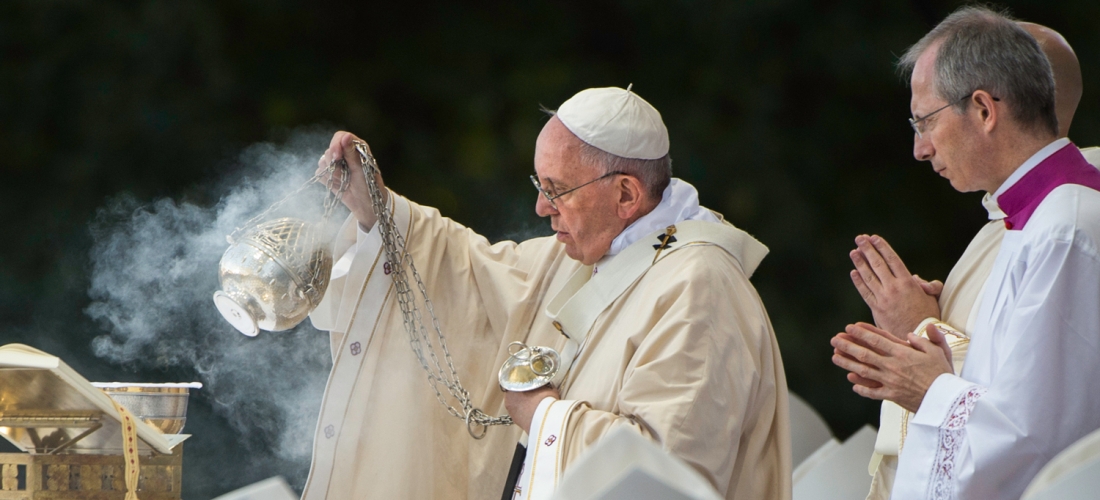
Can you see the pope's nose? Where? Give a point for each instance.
(543, 207)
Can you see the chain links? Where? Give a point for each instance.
(477, 421)
(333, 193)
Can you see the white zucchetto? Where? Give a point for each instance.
(617, 121)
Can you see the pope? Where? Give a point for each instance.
(643, 292)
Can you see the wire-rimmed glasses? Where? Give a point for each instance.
(551, 197)
(918, 123)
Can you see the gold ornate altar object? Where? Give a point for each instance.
(64, 476)
(273, 276)
(72, 437)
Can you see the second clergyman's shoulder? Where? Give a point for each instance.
(1071, 212)
(1069, 203)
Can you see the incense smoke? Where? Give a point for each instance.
(154, 270)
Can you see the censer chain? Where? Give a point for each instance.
(419, 338)
(333, 193)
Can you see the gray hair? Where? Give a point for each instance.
(987, 50)
(654, 175)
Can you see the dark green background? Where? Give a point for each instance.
(787, 115)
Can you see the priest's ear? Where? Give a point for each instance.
(986, 109)
(632, 198)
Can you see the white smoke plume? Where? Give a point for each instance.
(154, 270)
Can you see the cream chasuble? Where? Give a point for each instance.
(685, 355)
(707, 374)
(958, 307)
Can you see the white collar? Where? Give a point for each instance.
(679, 202)
(1031, 163)
(992, 208)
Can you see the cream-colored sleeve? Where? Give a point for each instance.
(461, 266)
(706, 380)
(482, 293)
(453, 261)
(324, 316)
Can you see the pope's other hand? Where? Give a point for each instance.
(521, 405)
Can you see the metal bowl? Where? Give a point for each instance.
(163, 406)
(273, 276)
(528, 367)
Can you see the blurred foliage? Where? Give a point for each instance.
(786, 114)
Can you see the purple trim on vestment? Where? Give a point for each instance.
(1065, 166)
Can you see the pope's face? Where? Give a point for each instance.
(947, 139)
(585, 220)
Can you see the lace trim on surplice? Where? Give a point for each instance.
(951, 434)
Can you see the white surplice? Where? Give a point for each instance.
(1028, 388)
(958, 307)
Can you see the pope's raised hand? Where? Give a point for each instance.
(356, 197)
(899, 301)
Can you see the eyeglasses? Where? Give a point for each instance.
(550, 198)
(917, 123)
